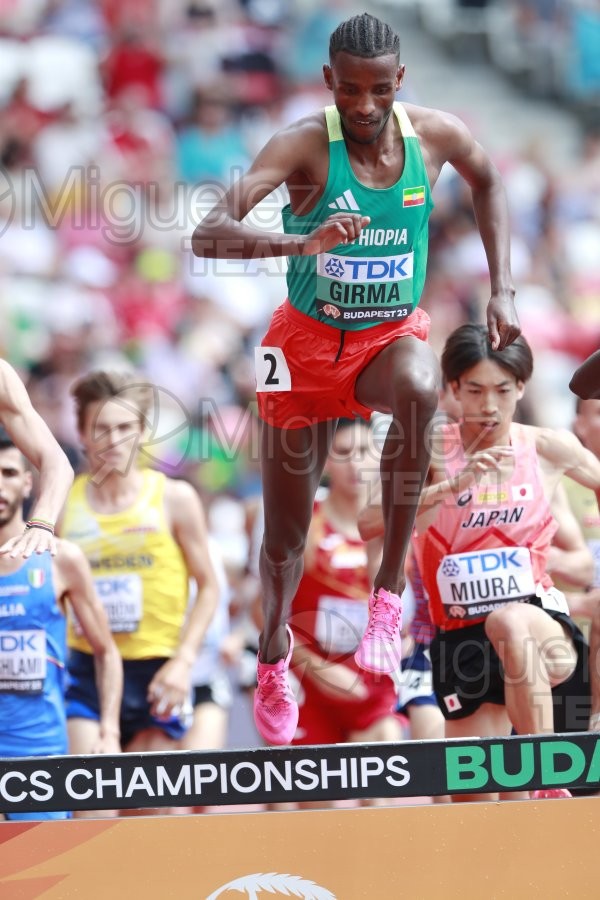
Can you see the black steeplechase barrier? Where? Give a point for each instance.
(290, 774)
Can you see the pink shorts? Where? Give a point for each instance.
(306, 370)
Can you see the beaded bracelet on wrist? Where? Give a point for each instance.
(40, 523)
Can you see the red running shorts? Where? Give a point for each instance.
(306, 370)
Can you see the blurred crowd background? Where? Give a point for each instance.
(122, 120)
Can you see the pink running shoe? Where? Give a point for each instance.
(380, 650)
(275, 707)
(551, 794)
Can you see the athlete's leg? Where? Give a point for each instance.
(536, 654)
(208, 730)
(426, 722)
(595, 670)
(83, 735)
(402, 380)
(292, 461)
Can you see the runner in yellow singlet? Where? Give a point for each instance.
(145, 537)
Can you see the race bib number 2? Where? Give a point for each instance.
(272, 372)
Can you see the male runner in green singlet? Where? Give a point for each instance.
(350, 339)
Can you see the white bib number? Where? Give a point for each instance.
(473, 584)
(122, 598)
(272, 372)
(412, 684)
(22, 661)
(340, 623)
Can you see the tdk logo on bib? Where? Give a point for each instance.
(360, 269)
(20, 642)
(475, 583)
(490, 561)
(335, 267)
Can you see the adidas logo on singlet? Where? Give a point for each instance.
(345, 201)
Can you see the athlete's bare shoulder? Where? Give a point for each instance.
(299, 152)
(431, 123)
(311, 127)
(555, 445)
(303, 136)
(68, 555)
(443, 136)
(306, 140)
(69, 565)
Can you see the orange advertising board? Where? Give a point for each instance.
(512, 849)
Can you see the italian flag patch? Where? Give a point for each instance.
(36, 577)
(414, 196)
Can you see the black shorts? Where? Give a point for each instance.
(467, 672)
(217, 691)
(83, 703)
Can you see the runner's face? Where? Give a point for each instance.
(488, 395)
(15, 484)
(111, 435)
(352, 462)
(364, 91)
(587, 425)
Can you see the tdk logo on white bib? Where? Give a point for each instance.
(360, 269)
(475, 583)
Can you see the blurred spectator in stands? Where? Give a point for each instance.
(135, 58)
(211, 147)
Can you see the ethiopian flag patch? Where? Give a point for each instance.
(414, 196)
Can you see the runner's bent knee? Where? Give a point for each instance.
(506, 624)
(279, 553)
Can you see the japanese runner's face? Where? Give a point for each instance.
(488, 395)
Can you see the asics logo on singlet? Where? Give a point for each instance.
(345, 201)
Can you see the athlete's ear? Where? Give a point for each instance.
(520, 389)
(328, 76)
(455, 387)
(400, 77)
